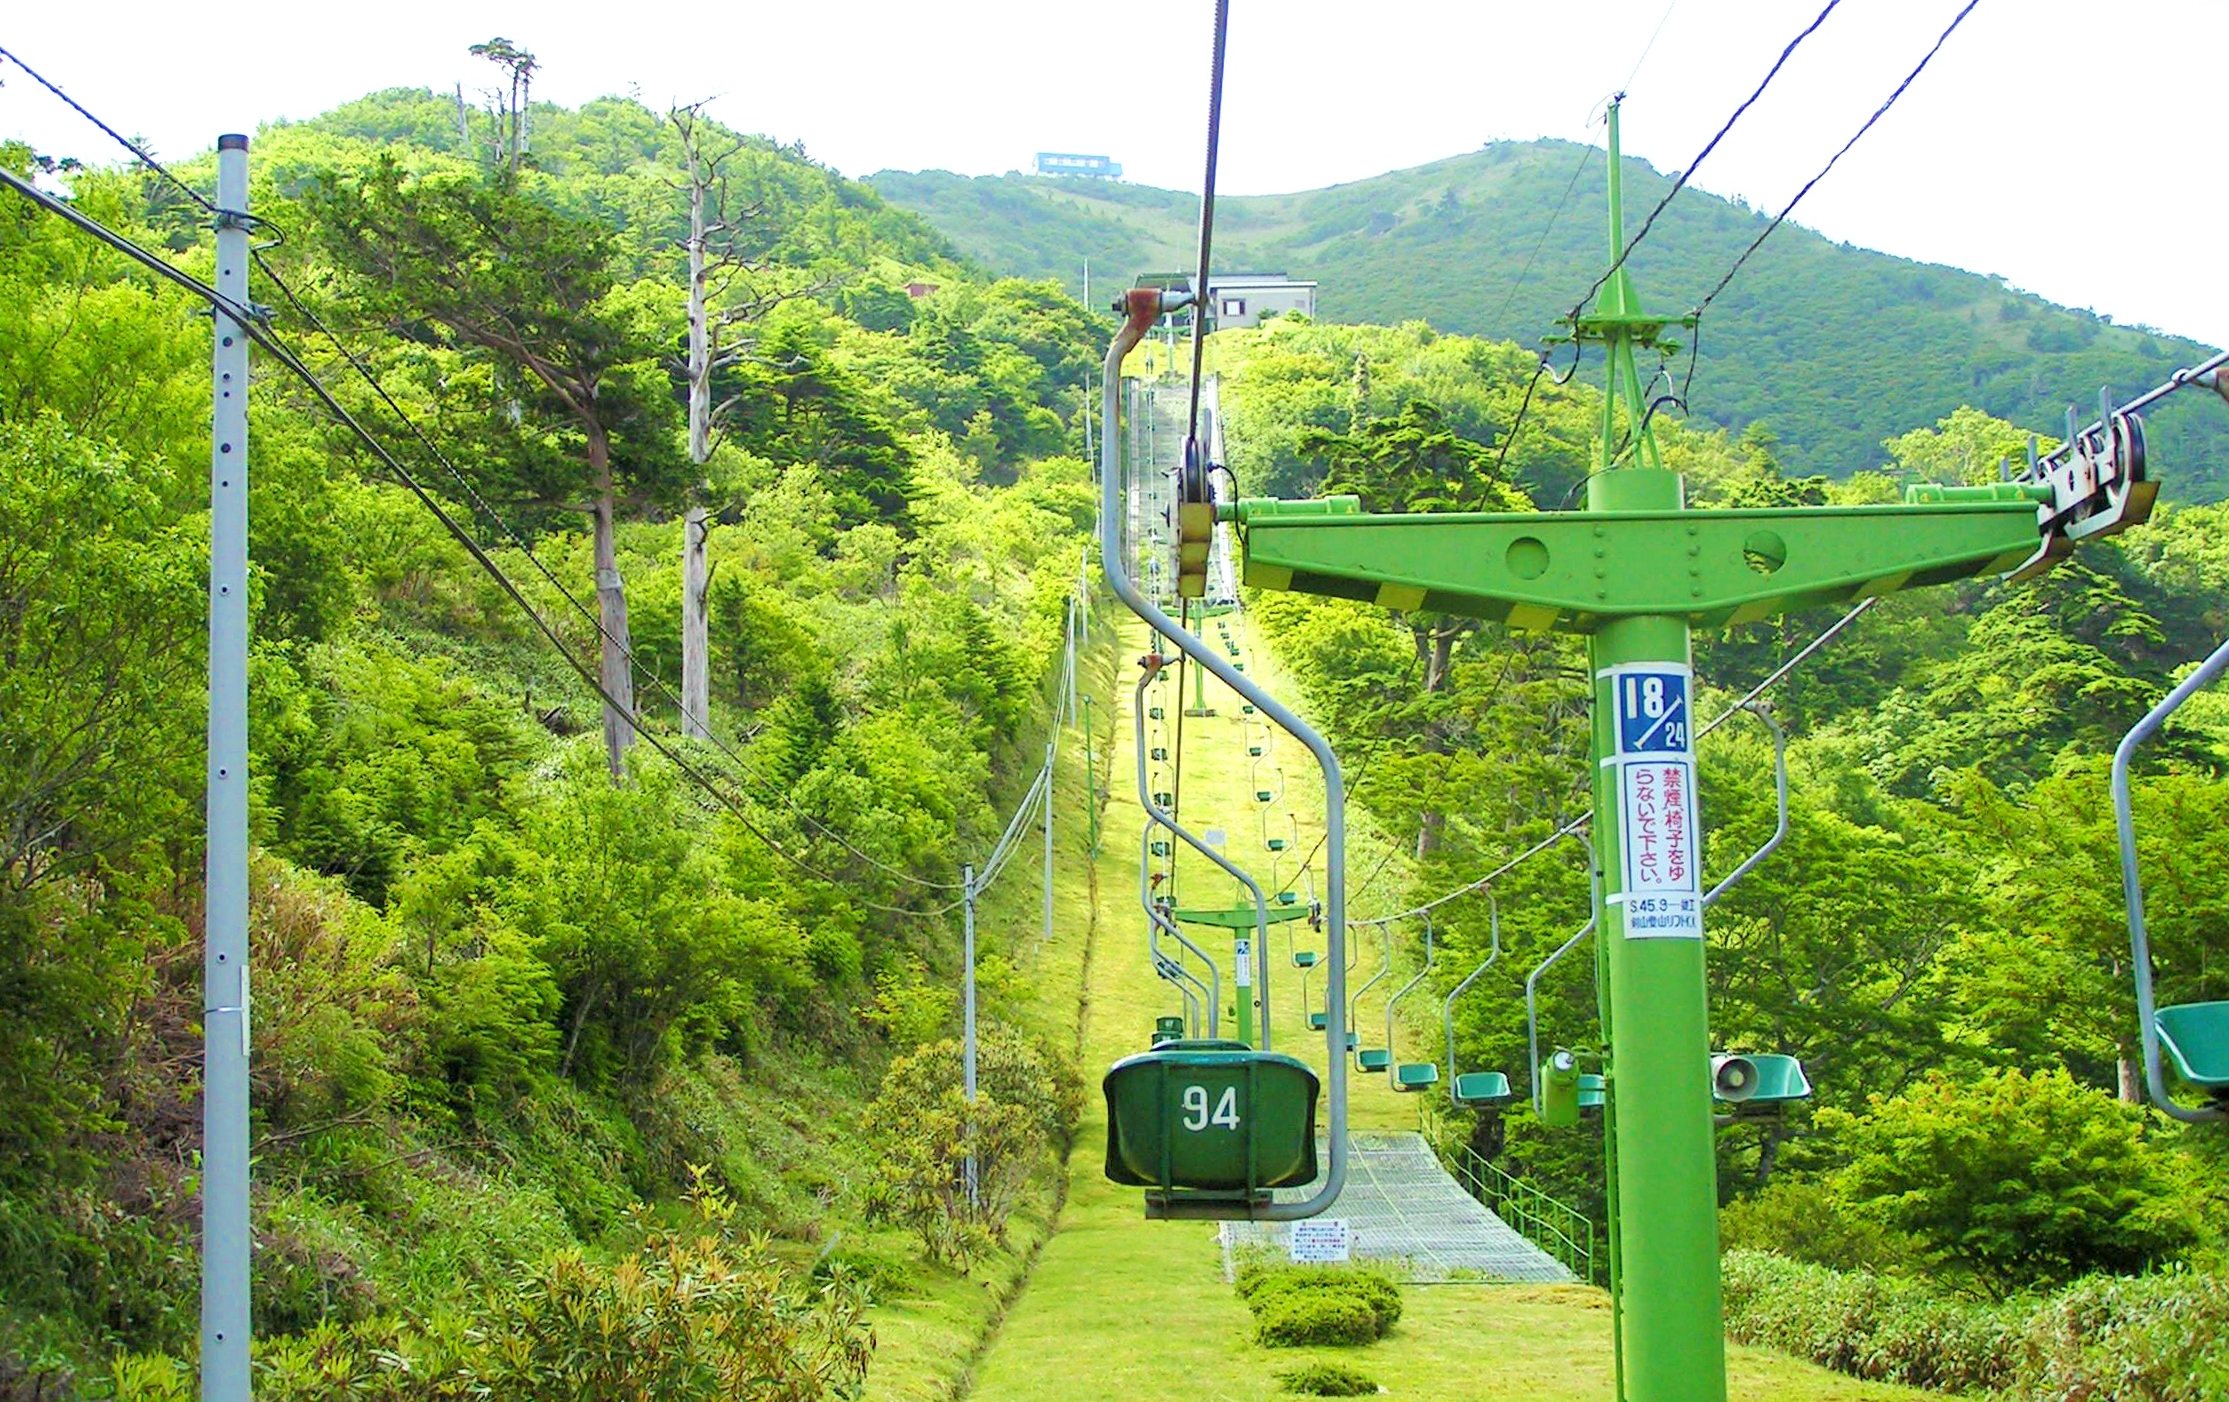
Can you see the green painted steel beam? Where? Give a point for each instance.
(1573, 570)
(1240, 917)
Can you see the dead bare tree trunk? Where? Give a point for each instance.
(616, 671)
(696, 581)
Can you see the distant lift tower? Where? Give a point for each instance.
(1635, 572)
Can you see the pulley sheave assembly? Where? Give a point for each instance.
(1195, 522)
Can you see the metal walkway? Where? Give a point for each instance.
(1401, 1206)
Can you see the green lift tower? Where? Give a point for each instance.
(1636, 571)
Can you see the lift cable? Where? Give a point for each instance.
(1678, 184)
(482, 504)
(1579, 824)
(1696, 341)
(1207, 223)
(255, 325)
(144, 157)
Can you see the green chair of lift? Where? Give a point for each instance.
(1304, 958)
(1416, 1075)
(1288, 898)
(1162, 799)
(1172, 1024)
(1757, 1084)
(1247, 708)
(1161, 1038)
(1153, 713)
(1159, 752)
(2192, 1037)
(1208, 1128)
(1254, 751)
(1411, 1075)
(1373, 1058)
(1275, 844)
(1263, 795)
(1318, 1020)
(2195, 1037)
(1482, 1088)
(1474, 1089)
(1160, 849)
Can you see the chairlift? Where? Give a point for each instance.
(2193, 1037)
(1467, 1089)
(1411, 1075)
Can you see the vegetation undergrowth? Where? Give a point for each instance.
(2151, 1338)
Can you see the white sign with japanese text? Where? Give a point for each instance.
(1320, 1241)
(1245, 947)
(1658, 835)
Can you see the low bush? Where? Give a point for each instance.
(1328, 1380)
(2153, 1338)
(1295, 1319)
(1868, 1326)
(1295, 1305)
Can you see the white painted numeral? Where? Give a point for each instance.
(1197, 1115)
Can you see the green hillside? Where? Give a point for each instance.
(1834, 348)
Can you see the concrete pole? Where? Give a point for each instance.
(967, 893)
(224, 1076)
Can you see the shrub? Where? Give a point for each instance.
(1804, 1222)
(1867, 1326)
(1328, 1380)
(1293, 1319)
(2150, 1339)
(1295, 1305)
(1027, 1103)
(2018, 1179)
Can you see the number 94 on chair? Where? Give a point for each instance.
(1209, 1130)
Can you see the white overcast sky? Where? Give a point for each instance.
(2074, 147)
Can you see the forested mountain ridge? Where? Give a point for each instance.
(1834, 348)
(541, 1024)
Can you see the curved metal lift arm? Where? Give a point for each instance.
(1447, 1008)
(1144, 305)
(1155, 815)
(1160, 924)
(1392, 1062)
(2132, 885)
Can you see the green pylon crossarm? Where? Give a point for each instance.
(1571, 570)
(1240, 917)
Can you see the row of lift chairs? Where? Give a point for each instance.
(1209, 1125)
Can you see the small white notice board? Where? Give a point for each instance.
(1320, 1241)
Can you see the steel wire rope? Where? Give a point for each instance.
(626, 649)
(1678, 184)
(1207, 223)
(480, 503)
(144, 157)
(248, 318)
(1573, 826)
(1696, 348)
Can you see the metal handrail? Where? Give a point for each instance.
(1556, 1227)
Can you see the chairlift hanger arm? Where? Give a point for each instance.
(1780, 792)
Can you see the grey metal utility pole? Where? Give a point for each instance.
(224, 1075)
(967, 1042)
